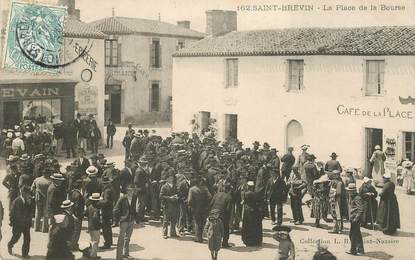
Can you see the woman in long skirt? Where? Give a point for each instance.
(368, 194)
(214, 231)
(388, 213)
(320, 203)
(252, 217)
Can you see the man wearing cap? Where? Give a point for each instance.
(77, 198)
(288, 161)
(170, 203)
(302, 159)
(356, 214)
(40, 189)
(276, 194)
(222, 202)
(11, 180)
(333, 164)
(370, 204)
(94, 223)
(55, 195)
(21, 221)
(106, 205)
(141, 182)
(124, 212)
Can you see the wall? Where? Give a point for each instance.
(136, 92)
(264, 107)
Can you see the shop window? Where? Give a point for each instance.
(180, 45)
(111, 52)
(231, 126)
(155, 53)
(375, 70)
(231, 73)
(295, 75)
(41, 110)
(155, 97)
(409, 146)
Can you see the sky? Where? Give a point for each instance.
(172, 11)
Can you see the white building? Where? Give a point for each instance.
(342, 90)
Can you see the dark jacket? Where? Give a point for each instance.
(123, 210)
(332, 165)
(169, 199)
(288, 161)
(356, 209)
(141, 180)
(82, 166)
(94, 218)
(198, 200)
(21, 213)
(222, 201)
(276, 191)
(107, 202)
(69, 135)
(111, 129)
(55, 196)
(126, 178)
(79, 203)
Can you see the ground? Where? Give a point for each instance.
(147, 242)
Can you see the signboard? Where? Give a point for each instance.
(33, 91)
(87, 99)
(385, 112)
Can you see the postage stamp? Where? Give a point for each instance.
(34, 39)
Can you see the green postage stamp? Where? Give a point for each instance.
(34, 40)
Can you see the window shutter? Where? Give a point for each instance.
(227, 73)
(381, 76)
(300, 74)
(235, 72)
(160, 56)
(152, 55)
(119, 54)
(371, 79)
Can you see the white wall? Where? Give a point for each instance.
(264, 107)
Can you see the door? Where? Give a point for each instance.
(374, 136)
(116, 107)
(231, 126)
(294, 135)
(11, 114)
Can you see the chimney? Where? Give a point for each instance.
(220, 22)
(184, 24)
(70, 4)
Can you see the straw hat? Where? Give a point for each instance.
(366, 179)
(377, 147)
(91, 170)
(58, 177)
(386, 176)
(251, 183)
(95, 196)
(66, 204)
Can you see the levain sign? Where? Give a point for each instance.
(29, 92)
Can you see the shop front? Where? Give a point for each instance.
(38, 101)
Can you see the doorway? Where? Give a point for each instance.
(231, 126)
(294, 135)
(115, 100)
(11, 114)
(373, 136)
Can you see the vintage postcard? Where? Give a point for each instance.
(207, 130)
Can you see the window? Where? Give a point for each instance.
(155, 54)
(295, 75)
(180, 45)
(204, 118)
(374, 77)
(231, 126)
(231, 73)
(155, 97)
(111, 53)
(409, 145)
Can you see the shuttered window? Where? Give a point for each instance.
(295, 75)
(112, 52)
(155, 54)
(375, 70)
(180, 45)
(155, 97)
(231, 73)
(409, 146)
(231, 126)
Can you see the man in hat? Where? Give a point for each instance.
(69, 139)
(40, 189)
(276, 194)
(255, 150)
(92, 184)
(126, 142)
(55, 195)
(8, 150)
(11, 180)
(111, 130)
(75, 195)
(136, 147)
(126, 175)
(311, 173)
(288, 161)
(333, 164)
(262, 178)
(141, 181)
(302, 159)
(21, 221)
(297, 188)
(68, 211)
(124, 212)
(222, 202)
(338, 201)
(198, 200)
(83, 134)
(170, 203)
(58, 246)
(356, 214)
(82, 162)
(183, 186)
(106, 205)
(94, 223)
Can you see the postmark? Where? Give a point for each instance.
(34, 37)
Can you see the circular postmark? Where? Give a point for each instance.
(86, 75)
(39, 35)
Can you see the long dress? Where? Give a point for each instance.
(252, 220)
(377, 159)
(370, 203)
(388, 212)
(320, 203)
(408, 179)
(214, 231)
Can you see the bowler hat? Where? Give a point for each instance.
(305, 147)
(351, 187)
(266, 145)
(66, 204)
(256, 143)
(250, 183)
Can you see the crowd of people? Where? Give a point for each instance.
(197, 186)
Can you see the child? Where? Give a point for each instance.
(214, 231)
(286, 248)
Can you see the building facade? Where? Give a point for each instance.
(77, 87)
(338, 90)
(138, 71)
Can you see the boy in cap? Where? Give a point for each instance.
(356, 214)
(94, 223)
(170, 202)
(286, 248)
